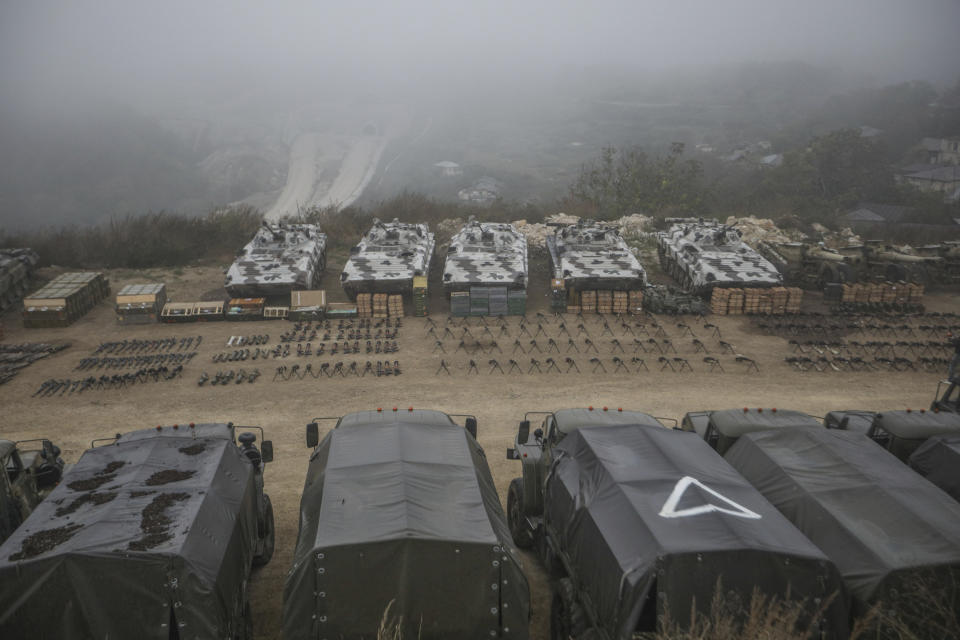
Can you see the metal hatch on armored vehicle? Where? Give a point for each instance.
(29, 476)
(279, 259)
(400, 523)
(492, 254)
(894, 536)
(640, 523)
(151, 535)
(387, 258)
(703, 254)
(592, 255)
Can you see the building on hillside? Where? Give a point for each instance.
(483, 191)
(945, 180)
(877, 213)
(448, 168)
(942, 151)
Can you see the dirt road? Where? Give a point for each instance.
(498, 400)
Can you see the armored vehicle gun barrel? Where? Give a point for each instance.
(387, 258)
(486, 254)
(591, 255)
(151, 535)
(636, 518)
(279, 259)
(886, 528)
(703, 254)
(400, 514)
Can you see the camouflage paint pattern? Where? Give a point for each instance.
(280, 258)
(703, 254)
(592, 255)
(16, 265)
(486, 253)
(387, 258)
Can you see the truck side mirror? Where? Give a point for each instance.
(266, 450)
(523, 433)
(844, 423)
(471, 426)
(313, 435)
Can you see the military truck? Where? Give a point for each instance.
(491, 254)
(400, 522)
(636, 522)
(151, 535)
(279, 259)
(721, 429)
(16, 267)
(894, 536)
(387, 259)
(901, 432)
(31, 474)
(703, 254)
(938, 460)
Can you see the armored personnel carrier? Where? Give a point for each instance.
(636, 520)
(16, 266)
(703, 254)
(486, 254)
(151, 535)
(387, 258)
(31, 474)
(591, 255)
(400, 522)
(281, 258)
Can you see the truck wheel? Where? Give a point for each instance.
(567, 619)
(268, 536)
(522, 536)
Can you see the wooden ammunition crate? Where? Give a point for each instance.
(588, 301)
(395, 306)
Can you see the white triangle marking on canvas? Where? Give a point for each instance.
(669, 509)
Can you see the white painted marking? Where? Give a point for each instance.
(669, 509)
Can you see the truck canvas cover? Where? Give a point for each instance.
(156, 529)
(938, 460)
(876, 519)
(399, 510)
(911, 428)
(652, 517)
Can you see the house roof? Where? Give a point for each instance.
(939, 174)
(877, 212)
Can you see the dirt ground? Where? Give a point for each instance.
(498, 400)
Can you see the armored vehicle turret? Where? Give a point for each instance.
(150, 535)
(636, 520)
(281, 258)
(486, 254)
(16, 266)
(703, 254)
(400, 522)
(387, 258)
(31, 474)
(591, 255)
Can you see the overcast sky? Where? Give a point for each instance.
(57, 50)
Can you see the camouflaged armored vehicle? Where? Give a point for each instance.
(151, 535)
(16, 266)
(400, 520)
(387, 258)
(281, 258)
(635, 519)
(486, 254)
(31, 474)
(703, 254)
(591, 255)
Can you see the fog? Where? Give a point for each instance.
(277, 67)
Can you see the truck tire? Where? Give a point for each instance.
(522, 536)
(268, 536)
(567, 619)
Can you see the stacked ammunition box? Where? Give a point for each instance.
(588, 301)
(140, 303)
(479, 301)
(794, 298)
(380, 305)
(208, 311)
(395, 305)
(498, 301)
(460, 303)
(337, 310)
(635, 299)
(420, 306)
(604, 301)
(620, 302)
(779, 297)
(364, 305)
(882, 293)
(178, 312)
(275, 313)
(720, 301)
(307, 305)
(64, 300)
(753, 300)
(245, 308)
(517, 302)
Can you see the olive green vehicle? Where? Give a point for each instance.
(31, 474)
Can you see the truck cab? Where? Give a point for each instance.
(721, 429)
